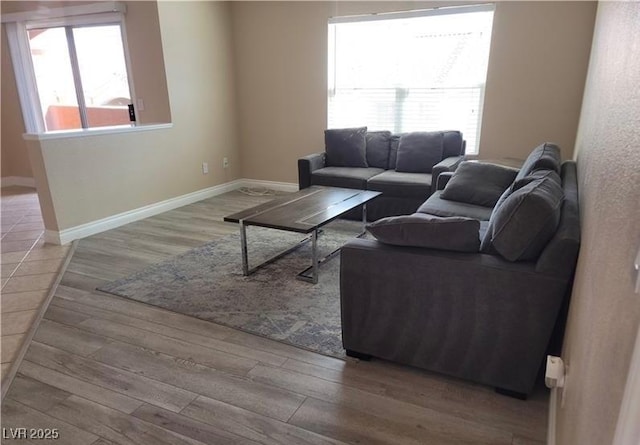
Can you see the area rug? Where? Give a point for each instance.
(207, 283)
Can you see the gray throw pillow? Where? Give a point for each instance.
(419, 151)
(535, 175)
(479, 183)
(422, 230)
(378, 146)
(525, 218)
(346, 147)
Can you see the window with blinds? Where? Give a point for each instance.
(416, 71)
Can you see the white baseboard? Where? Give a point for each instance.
(53, 237)
(111, 222)
(279, 186)
(18, 180)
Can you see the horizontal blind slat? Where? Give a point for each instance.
(419, 109)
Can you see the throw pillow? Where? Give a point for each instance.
(378, 145)
(422, 230)
(537, 174)
(525, 218)
(346, 147)
(519, 183)
(419, 151)
(479, 183)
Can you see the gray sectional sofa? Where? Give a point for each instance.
(404, 167)
(471, 288)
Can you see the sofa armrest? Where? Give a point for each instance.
(443, 179)
(446, 165)
(308, 165)
(471, 315)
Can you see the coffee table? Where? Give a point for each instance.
(305, 211)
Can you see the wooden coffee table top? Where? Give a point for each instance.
(305, 210)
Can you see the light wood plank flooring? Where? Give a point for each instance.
(28, 267)
(107, 370)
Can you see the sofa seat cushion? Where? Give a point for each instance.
(346, 147)
(347, 177)
(434, 232)
(479, 183)
(435, 205)
(526, 217)
(419, 151)
(402, 185)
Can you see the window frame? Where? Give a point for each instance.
(437, 11)
(18, 40)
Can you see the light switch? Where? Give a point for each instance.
(140, 105)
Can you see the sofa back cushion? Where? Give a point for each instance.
(393, 149)
(434, 232)
(544, 157)
(419, 151)
(378, 146)
(479, 183)
(346, 147)
(525, 218)
(452, 145)
(561, 253)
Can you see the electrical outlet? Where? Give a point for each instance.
(225, 162)
(140, 105)
(205, 168)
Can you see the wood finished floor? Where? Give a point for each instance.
(107, 370)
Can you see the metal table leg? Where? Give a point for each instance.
(247, 270)
(364, 220)
(243, 242)
(312, 273)
(314, 256)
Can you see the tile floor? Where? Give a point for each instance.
(28, 269)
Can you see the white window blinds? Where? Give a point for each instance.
(405, 72)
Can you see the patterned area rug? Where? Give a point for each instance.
(207, 283)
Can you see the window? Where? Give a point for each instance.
(417, 71)
(71, 71)
(81, 76)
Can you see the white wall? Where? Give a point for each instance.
(147, 69)
(604, 314)
(537, 68)
(96, 177)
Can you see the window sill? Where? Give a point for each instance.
(66, 134)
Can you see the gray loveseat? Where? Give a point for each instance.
(482, 306)
(404, 167)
